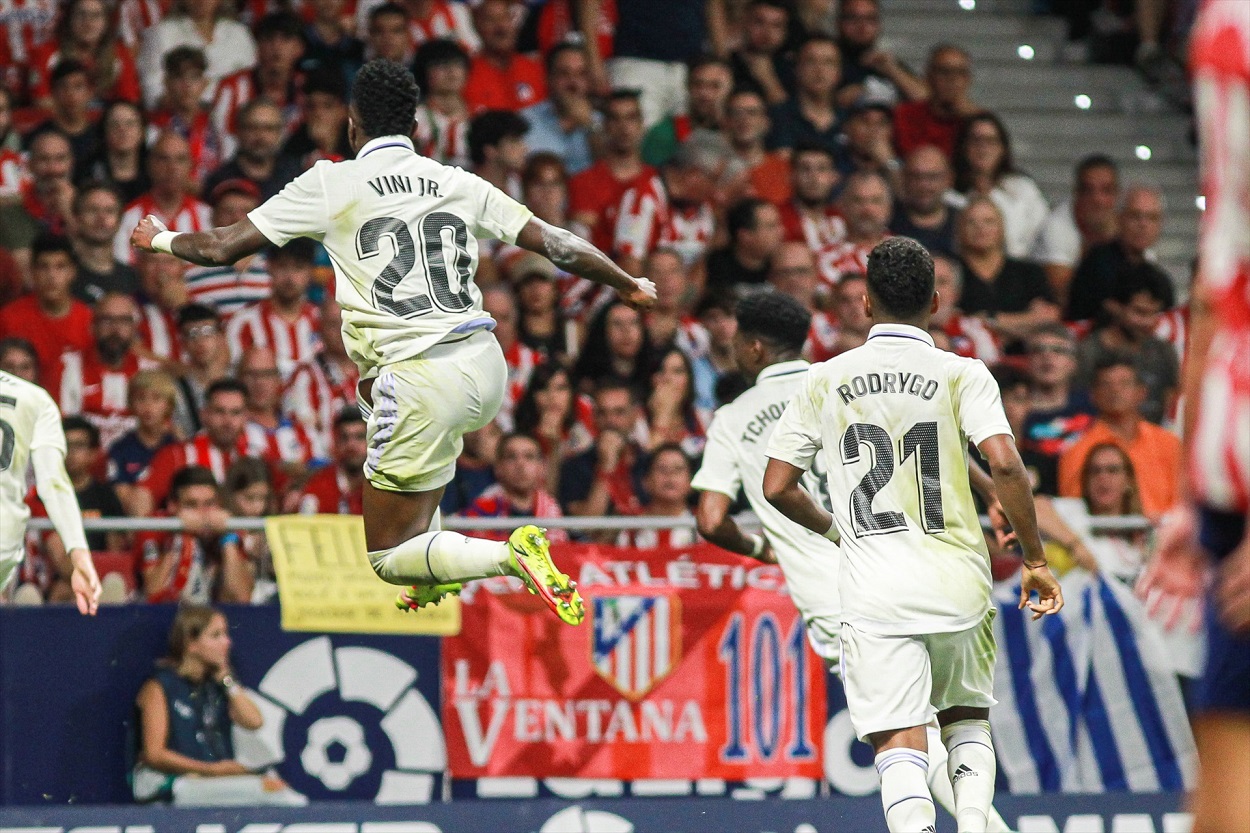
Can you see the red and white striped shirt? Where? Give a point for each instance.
(972, 339)
(818, 232)
(229, 289)
(646, 219)
(658, 539)
(134, 17)
(192, 215)
(316, 394)
(840, 259)
(521, 363)
(289, 442)
(25, 25)
(260, 325)
(1219, 459)
(158, 330)
(12, 173)
(238, 89)
(88, 387)
(330, 492)
(197, 451)
(444, 20)
(822, 338)
(442, 138)
(1173, 327)
(208, 144)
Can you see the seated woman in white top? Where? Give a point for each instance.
(205, 24)
(984, 167)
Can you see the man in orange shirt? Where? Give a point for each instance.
(499, 78)
(1118, 394)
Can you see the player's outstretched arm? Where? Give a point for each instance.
(215, 247)
(782, 490)
(719, 527)
(1016, 495)
(57, 493)
(573, 254)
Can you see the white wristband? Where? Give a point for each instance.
(757, 545)
(164, 241)
(832, 532)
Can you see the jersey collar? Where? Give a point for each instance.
(773, 371)
(395, 141)
(900, 331)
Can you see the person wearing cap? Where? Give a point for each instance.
(539, 323)
(867, 141)
(231, 287)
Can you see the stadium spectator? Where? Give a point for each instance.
(670, 411)
(161, 283)
(1104, 266)
(866, 205)
(1012, 295)
(47, 196)
(653, 59)
(337, 489)
(497, 149)
(151, 396)
(387, 33)
(218, 444)
(332, 45)
(968, 335)
(322, 132)
(230, 288)
(70, 114)
(441, 68)
(922, 212)
(259, 156)
(561, 421)
(1059, 407)
(474, 468)
(666, 481)
(286, 322)
(182, 111)
(811, 217)
(746, 126)
(500, 303)
(272, 436)
(867, 68)
(18, 356)
(760, 64)
(97, 216)
(10, 140)
(96, 499)
(984, 166)
(1118, 394)
(122, 158)
(755, 232)
(715, 315)
(87, 33)
(936, 120)
(206, 25)
(595, 194)
(94, 382)
(499, 77)
(518, 489)
(709, 82)
(249, 493)
(810, 115)
(540, 325)
(1133, 314)
(564, 123)
(604, 479)
(1078, 224)
(207, 361)
(321, 388)
(50, 318)
(279, 47)
(186, 714)
(1013, 387)
(205, 561)
(427, 20)
(170, 198)
(615, 347)
(850, 312)
(668, 320)
(866, 142)
(793, 273)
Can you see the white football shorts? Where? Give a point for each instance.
(897, 682)
(423, 407)
(9, 562)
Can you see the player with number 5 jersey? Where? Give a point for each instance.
(403, 234)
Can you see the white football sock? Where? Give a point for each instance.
(972, 769)
(940, 782)
(904, 793)
(441, 557)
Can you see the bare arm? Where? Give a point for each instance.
(237, 579)
(243, 710)
(154, 734)
(573, 254)
(719, 527)
(215, 247)
(782, 490)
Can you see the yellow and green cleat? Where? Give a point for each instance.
(420, 595)
(531, 559)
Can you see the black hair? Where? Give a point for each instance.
(1093, 161)
(195, 313)
(19, 343)
(527, 414)
(782, 5)
(245, 472)
(66, 68)
(513, 436)
(435, 53)
(730, 386)
(348, 416)
(278, 23)
(49, 244)
(326, 80)
(1054, 329)
(190, 476)
(775, 318)
(93, 185)
(385, 9)
(814, 147)
(900, 277)
(595, 360)
(1115, 358)
(178, 59)
(225, 386)
(702, 61)
(1009, 377)
(623, 94)
(385, 96)
(666, 448)
(492, 127)
(963, 171)
(302, 250)
(558, 50)
(78, 423)
(723, 300)
(742, 216)
(608, 383)
(816, 37)
(1145, 278)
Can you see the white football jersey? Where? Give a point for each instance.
(735, 458)
(29, 419)
(402, 231)
(894, 419)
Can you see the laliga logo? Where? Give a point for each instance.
(334, 749)
(576, 820)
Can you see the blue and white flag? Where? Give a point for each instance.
(1088, 699)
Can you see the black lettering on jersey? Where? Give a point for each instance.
(912, 384)
(755, 427)
(8, 400)
(391, 184)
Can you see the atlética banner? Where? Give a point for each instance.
(686, 667)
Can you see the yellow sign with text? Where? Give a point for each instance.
(325, 582)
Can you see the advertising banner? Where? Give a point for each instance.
(686, 667)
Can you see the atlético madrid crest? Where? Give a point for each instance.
(636, 641)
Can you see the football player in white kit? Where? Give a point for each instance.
(402, 232)
(30, 431)
(892, 420)
(768, 346)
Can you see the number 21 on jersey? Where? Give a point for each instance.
(921, 443)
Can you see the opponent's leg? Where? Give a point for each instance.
(971, 765)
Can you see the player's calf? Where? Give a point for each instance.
(905, 790)
(972, 768)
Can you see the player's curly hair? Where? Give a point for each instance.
(385, 96)
(776, 318)
(900, 277)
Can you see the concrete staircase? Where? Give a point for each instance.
(1058, 112)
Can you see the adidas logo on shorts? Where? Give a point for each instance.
(962, 772)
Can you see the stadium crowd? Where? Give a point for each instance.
(764, 145)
